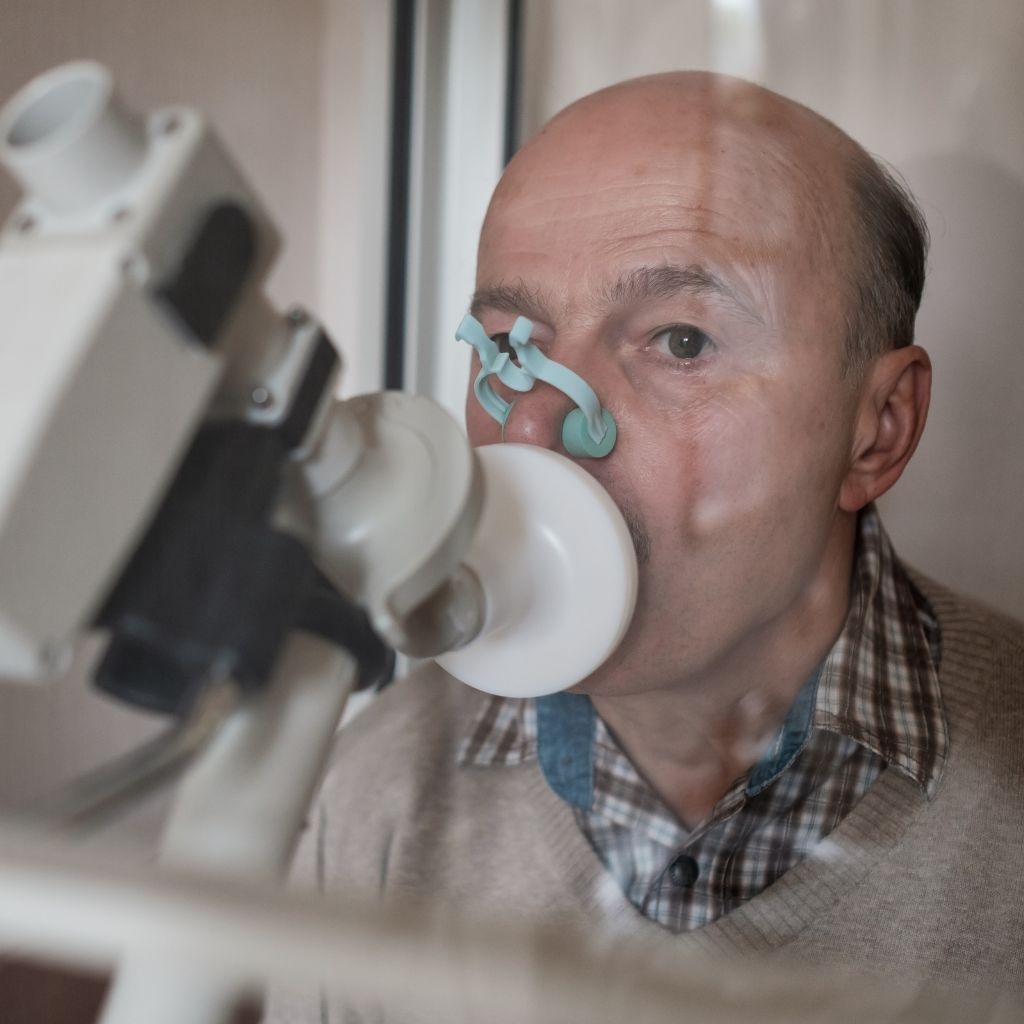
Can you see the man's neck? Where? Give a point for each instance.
(693, 740)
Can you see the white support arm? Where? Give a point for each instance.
(237, 816)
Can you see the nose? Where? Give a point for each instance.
(587, 429)
(536, 417)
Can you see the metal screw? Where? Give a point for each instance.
(261, 397)
(26, 223)
(135, 267)
(55, 658)
(296, 316)
(121, 214)
(170, 124)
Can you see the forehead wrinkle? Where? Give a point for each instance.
(643, 198)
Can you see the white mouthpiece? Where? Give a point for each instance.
(557, 566)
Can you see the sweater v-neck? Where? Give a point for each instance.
(827, 877)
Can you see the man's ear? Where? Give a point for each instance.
(891, 414)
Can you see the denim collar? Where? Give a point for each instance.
(565, 744)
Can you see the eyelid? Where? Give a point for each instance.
(682, 325)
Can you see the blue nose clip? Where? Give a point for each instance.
(588, 431)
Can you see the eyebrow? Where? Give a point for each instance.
(664, 281)
(634, 288)
(510, 298)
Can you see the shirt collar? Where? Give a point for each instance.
(878, 685)
(565, 746)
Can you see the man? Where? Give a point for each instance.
(798, 748)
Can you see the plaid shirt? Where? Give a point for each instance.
(873, 704)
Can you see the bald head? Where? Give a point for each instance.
(658, 106)
(823, 204)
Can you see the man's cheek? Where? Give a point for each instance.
(725, 484)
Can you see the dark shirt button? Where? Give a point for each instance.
(683, 871)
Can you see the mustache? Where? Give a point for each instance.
(637, 531)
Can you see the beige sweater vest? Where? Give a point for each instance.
(905, 886)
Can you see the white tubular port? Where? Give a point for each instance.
(68, 140)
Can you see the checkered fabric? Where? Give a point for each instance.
(876, 706)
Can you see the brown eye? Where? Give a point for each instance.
(684, 341)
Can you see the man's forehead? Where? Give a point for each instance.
(608, 249)
(701, 180)
(715, 216)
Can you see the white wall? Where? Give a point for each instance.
(298, 89)
(936, 87)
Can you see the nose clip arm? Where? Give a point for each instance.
(588, 431)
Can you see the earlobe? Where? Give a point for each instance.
(891, 416)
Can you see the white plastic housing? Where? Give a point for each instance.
(101, 389)
(558, 568)
(96, 400)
